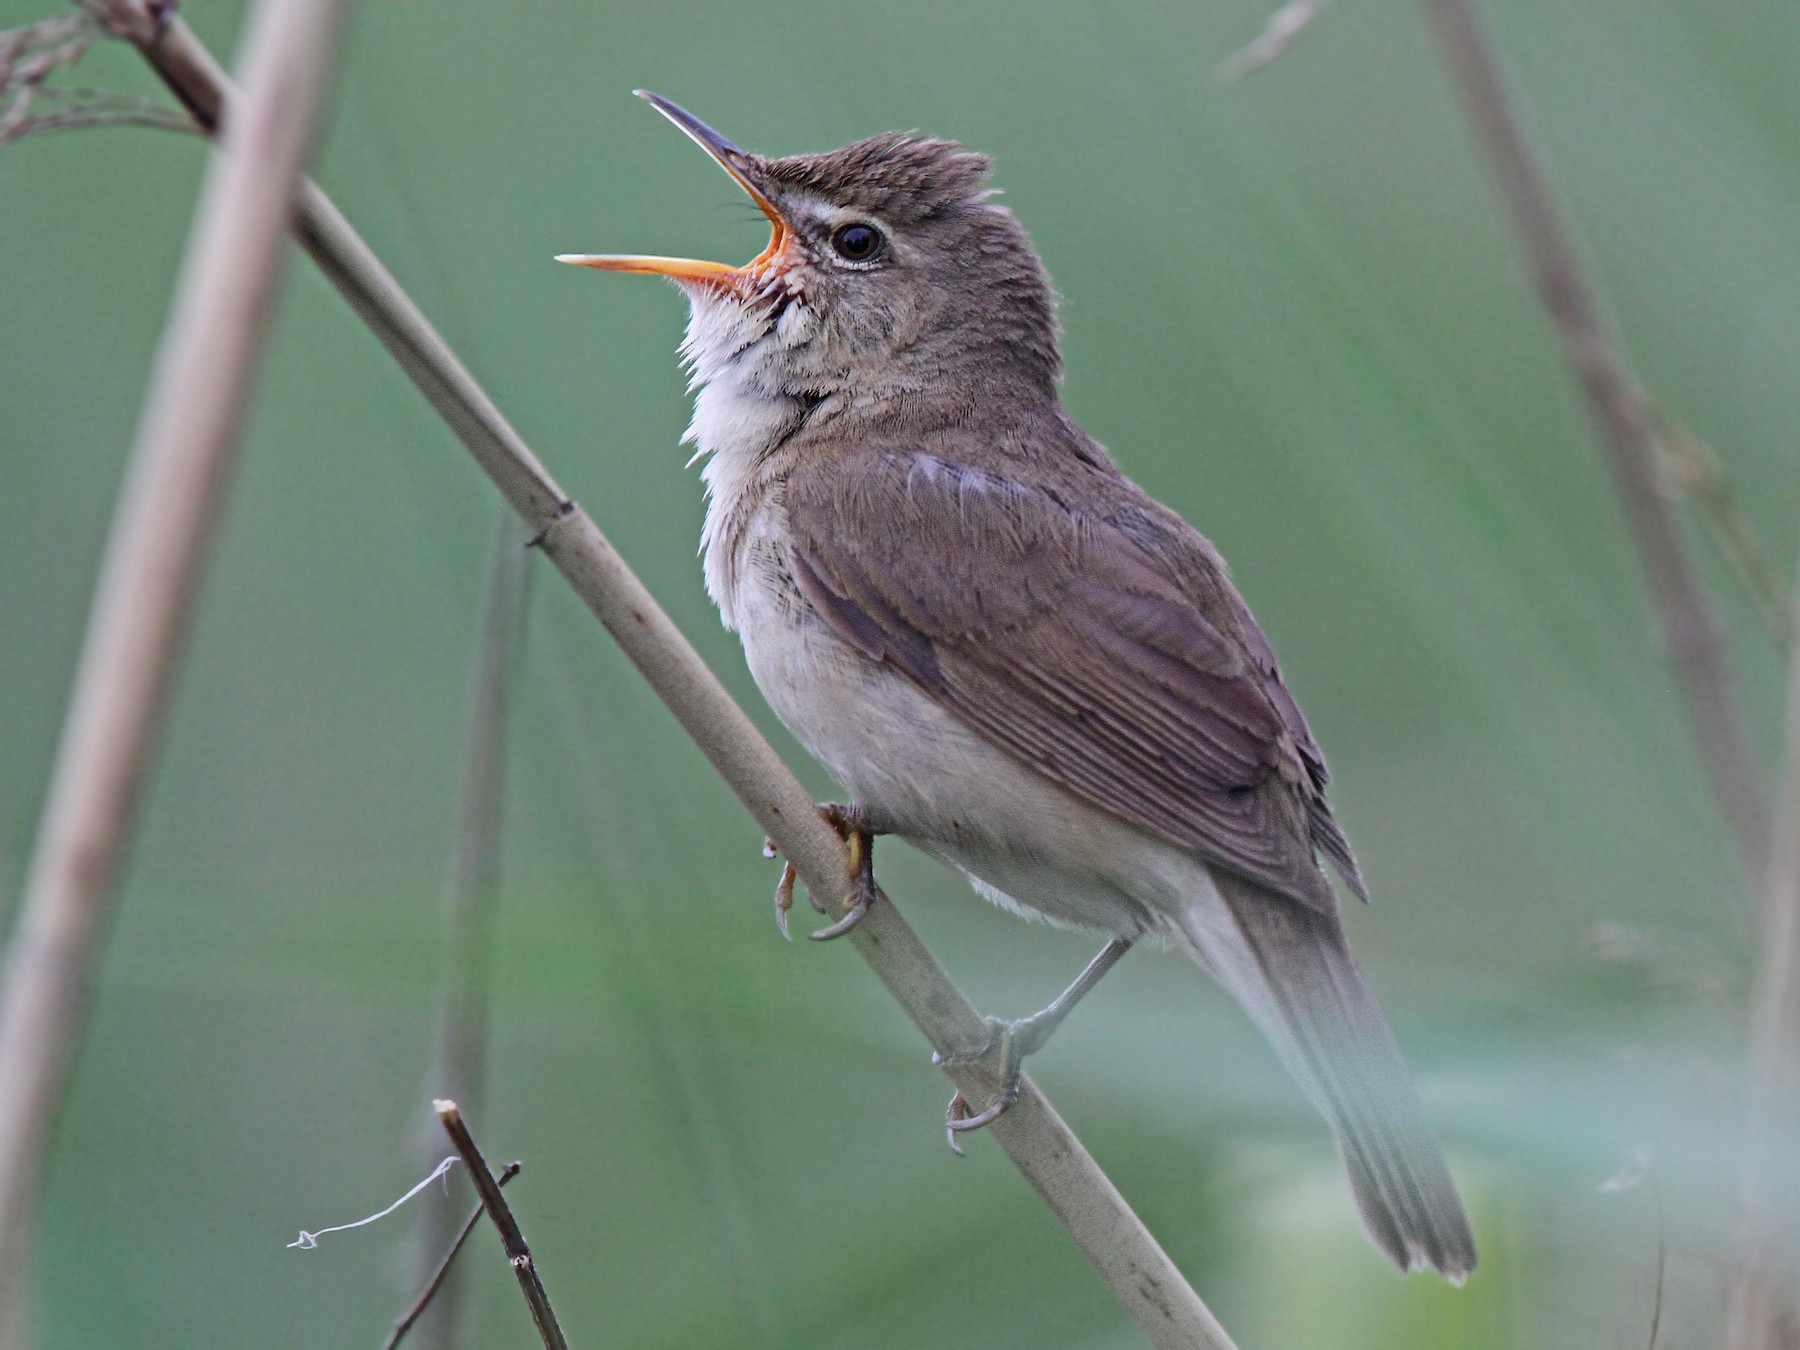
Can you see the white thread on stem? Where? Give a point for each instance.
(307, 1241)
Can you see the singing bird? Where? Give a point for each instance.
(1006, 652)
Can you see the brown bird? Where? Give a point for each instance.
(1004, 650)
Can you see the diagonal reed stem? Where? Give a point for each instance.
(1622, 423)
(1761, 1305)
(1043, 1148)
(190, 428)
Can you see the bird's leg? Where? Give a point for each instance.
(1015, 1040)
(852, 825)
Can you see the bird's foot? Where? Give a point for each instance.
(1009, 1042)
(852, 825)
(1007, 1045)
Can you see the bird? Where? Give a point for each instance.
(1006, 652)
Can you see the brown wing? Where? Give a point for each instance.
(1059, 637)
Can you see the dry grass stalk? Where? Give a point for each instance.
(1763, 1301)
(1762, 1306)
(191, 425)
(1690, 628)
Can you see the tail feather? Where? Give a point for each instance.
(1292, 969)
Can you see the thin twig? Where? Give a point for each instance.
(1662, 1262)
(517, 1253)
(28, 57)
(191, 425)
(1281, 31)
(1049, 1155)
(1763, 1306)
(404, 1322)
(473, 891)
(86, 109)
(1689, 627)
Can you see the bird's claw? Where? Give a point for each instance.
(852, 917)
(851, 823)
(1012, 1040)
(784, 892)
(960, 1117)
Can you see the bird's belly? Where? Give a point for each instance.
(924, 775)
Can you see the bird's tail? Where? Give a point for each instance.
(1293, 971)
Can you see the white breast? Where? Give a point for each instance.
(741, 366)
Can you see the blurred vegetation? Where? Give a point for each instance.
(1295, 313)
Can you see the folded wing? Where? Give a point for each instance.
(1132, 675)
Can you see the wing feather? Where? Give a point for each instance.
(1061, 638)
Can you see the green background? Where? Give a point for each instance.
(1295, 312)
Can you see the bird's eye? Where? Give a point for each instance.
(856, 243)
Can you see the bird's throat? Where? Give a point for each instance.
(743, 373)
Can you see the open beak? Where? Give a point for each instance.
(735, 162)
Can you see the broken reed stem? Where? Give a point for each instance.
(404, 1322)
(473, 892)
(1043, 1148)
(1690, 629)
(517, 1253)
(191, 425)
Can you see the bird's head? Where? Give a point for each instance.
(889, 273)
